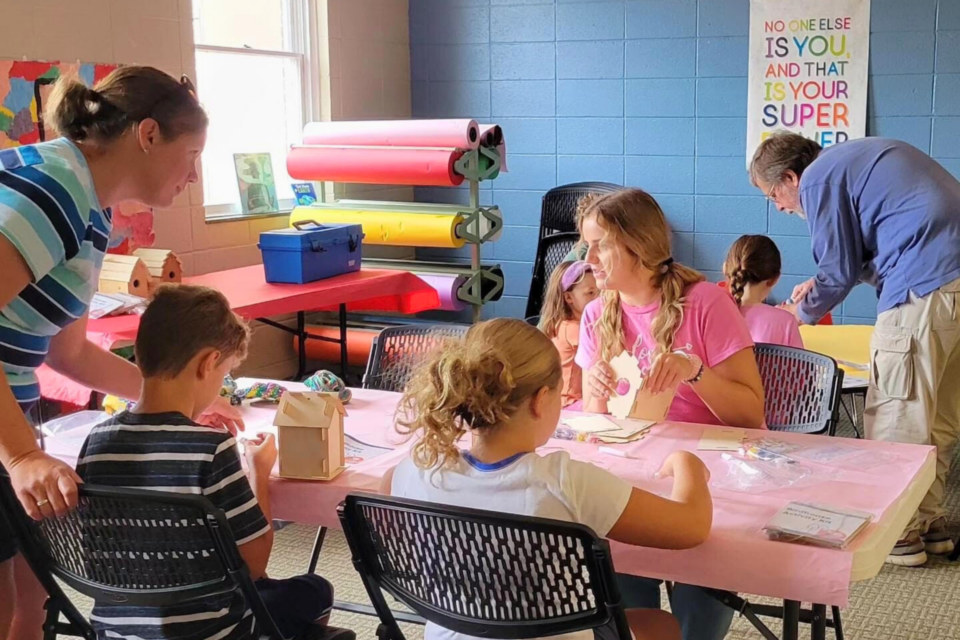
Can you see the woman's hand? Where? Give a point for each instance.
(45, 486)
(600, 377)
(223, 415)
(801, 290)
(668, 371)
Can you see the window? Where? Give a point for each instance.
(253, 76)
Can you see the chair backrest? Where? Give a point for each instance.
(558, 211)
(551, 251)
(135, 547)
(397, 351)
(801, 389)
(482, 573)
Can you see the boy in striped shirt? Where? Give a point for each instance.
(189, 339)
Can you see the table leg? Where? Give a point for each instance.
(818, 623)
(301, 346)
(837, 625)
(791, 620)
(343, 342)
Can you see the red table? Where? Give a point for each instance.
(252, 297)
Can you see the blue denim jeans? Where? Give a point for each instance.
(701, 616)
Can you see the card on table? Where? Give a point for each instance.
(721, 439)
(817, 524)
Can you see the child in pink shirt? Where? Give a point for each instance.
(752, 269)
(571, 287)
(687, 334)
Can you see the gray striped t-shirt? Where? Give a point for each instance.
(169, 452)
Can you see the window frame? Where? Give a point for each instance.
(299, 30)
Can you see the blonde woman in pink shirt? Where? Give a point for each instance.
(687, 334)
(752, 269)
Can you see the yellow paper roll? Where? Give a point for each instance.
(391, 227)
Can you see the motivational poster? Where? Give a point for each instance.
(808, 69)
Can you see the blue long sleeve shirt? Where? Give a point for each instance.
(882, 212)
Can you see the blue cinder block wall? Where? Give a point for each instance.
(653, 93)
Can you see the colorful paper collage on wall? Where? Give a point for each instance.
(24, 88)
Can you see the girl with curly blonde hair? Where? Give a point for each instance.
(501, 384)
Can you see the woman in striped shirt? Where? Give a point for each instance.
(136, 136)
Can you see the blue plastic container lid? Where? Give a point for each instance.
(310, 236)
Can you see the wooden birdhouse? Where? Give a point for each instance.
(124, 274)
(635, 401)
(310, 434)
(164, 265)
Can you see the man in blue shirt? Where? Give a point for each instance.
(883, 212)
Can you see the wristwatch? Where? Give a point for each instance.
(697, 363)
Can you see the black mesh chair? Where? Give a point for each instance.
(551, 251)
(558, 212)
(138, 548)
(801, 389)
(482, 573)
(396, 351)
(394, 355)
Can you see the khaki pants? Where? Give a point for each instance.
(914, 392)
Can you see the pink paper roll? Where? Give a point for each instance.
(447, 288)
(461, 134)
(375, 165)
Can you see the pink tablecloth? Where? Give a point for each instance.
(736, 557)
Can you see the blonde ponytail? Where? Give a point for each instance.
(635, 220)
(673, 283)
(474, 384)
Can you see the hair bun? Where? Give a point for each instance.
(489, 385)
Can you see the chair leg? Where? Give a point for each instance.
(317, 548)
(51, 621)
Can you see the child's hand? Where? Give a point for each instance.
(682, 460)
(261, 452)
(668, 371)
(601, 379)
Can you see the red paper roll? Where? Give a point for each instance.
(375, 165)
(461, 134)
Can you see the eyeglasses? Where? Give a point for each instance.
(770, 194)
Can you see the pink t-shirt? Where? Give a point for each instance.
(772, 325)
(712, 328)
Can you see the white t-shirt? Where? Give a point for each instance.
(550, 486)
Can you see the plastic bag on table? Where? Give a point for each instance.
(831, 452)
(62, 425)
(759, 471)
(845, 456)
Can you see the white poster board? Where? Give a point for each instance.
(808, 69)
